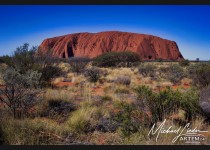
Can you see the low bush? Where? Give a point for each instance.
(184, 62)
(199, 73)
(130, 118)
(57, 109)
(78, 64)
(124, 80)
(163, 72)
(190, 104)
(124, 117)
(144, 93)
(93, 74)
(147, 70)
(175, 73)
(49, 73)
(115, 59)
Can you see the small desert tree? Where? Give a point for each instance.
(36, 59)
(23, 58)
(19, 93)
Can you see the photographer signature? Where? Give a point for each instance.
(180, 131)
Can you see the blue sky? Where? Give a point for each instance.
(188, 25)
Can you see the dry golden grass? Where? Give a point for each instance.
(64, 66)
(58, 94)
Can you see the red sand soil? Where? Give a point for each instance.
(175, 87)
(2, 86)
(186, 86)
(61, 84)
(98, 91)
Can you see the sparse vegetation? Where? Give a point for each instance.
(147, 70)
(93, 74)
(78, 64)
(199, 73)
(117, 59)
(184, 62)
(119, 108)
(175, 74)
(124, 80)
(167, 102)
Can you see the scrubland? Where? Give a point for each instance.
(108, 105)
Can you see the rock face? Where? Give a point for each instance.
(93, 44)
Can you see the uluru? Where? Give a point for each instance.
(90, 45)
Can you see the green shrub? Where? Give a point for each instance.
(167, 102)
(115, 59)
(78, 64)
(124, 117)
(147, 69)
(199, 73)
(144, 93)
(93, 74)
(175, 73)
(190, 104)
(124, 80)
(184, 62)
